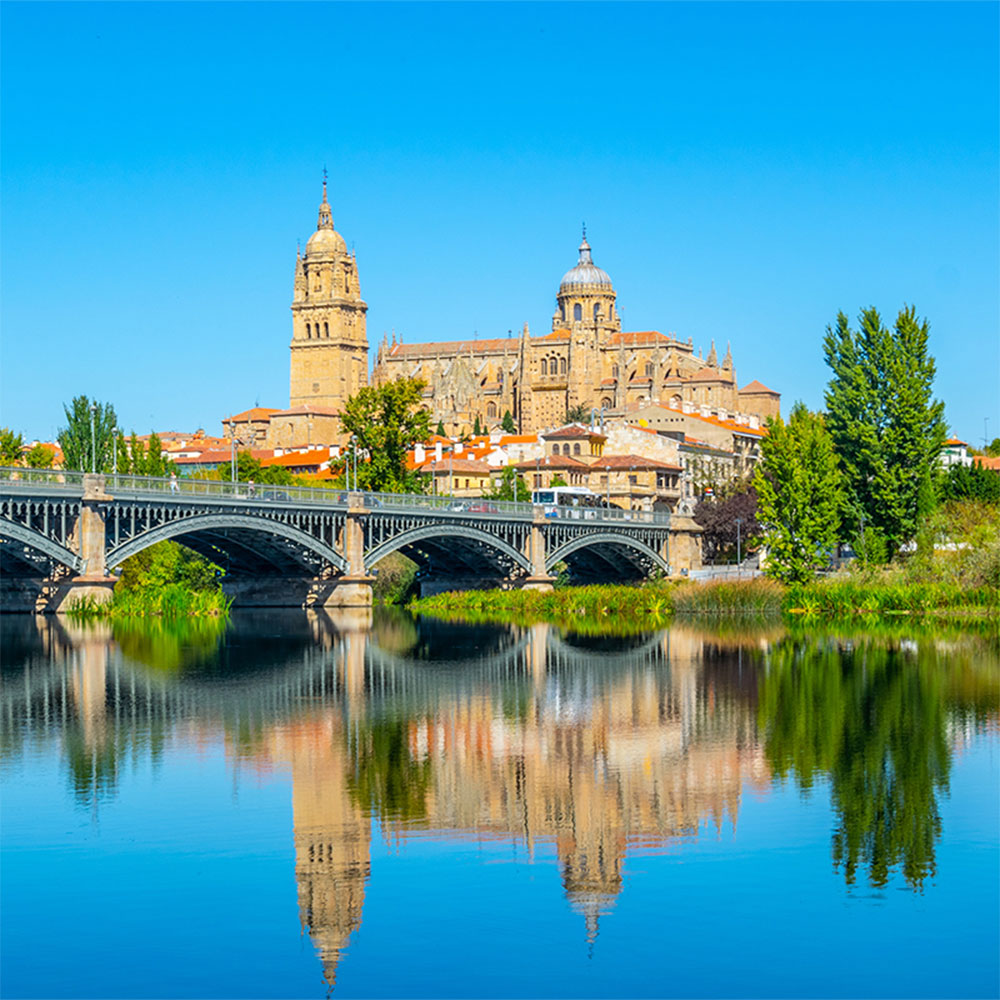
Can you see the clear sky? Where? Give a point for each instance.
(744, 172)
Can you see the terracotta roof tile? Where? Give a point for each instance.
(619, 462)
(462, 465)
(756, 386)
(254, 413)
(552, 462)
(572, 431)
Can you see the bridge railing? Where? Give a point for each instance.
(123, 485)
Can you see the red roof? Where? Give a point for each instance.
(552, 462)
(254, 413)
(988, 461)
(463, 465)
(756, 386)
(221, 457)
(619, 462)
(293, 459)
(709, 375)
(572, 431)
(954, 441)
(518, 439)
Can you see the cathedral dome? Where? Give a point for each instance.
(586, 271)
(325, 241)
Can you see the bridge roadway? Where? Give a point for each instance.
(63, 535)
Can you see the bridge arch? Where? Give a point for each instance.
(611, 548)
(37, 541)
(441, 537)
(210, 525)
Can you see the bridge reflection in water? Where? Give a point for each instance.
(594, 748)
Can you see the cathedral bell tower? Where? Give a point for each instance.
(586, 298)
(329, 339)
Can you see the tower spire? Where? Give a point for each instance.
(325, 214)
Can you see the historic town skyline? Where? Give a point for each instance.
(728, 201)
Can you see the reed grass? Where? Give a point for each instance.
(171, 601)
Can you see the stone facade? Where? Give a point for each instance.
(329, 340)
(587, 360)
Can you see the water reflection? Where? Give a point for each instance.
(598, 746)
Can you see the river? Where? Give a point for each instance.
(302, 804)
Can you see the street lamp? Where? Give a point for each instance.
(114, 452)
(739, 552)
(93, 439)
(607, 485)
(232, 449)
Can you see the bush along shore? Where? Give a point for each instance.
(636, 607)
(172, 601)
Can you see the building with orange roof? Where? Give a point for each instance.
(955, 452)
(458, 477)
(586, 360)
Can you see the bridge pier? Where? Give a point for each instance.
(540, 578)
(683, 544)
(94, 584)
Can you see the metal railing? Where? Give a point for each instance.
(135, 487)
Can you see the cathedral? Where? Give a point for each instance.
(586, 362)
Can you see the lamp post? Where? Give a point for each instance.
(739, 551)
(232, 449)
(114, 451)
(607, 485)
(93, 439)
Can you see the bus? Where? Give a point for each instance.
(568, 501)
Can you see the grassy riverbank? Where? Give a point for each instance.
(172, 601)
(609, 606)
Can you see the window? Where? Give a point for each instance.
(555, 449)
(614, 371)
(309, 331)
(611, 310)
(565, 449)
(578, 312)
(576, 448)
(633, 480)
(649, 368)
(597, 310)
(545, 367)
(538, 482)
(562, 311)
(491, 409)
(606, 403)
(562, 366)
(326, 329)
(347, 284)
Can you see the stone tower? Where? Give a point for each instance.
(586, 298)
(329, 339)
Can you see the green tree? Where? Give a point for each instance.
(579, 414)
(508, 424)
(798, 495)
(477, 427)
(11, 446)
(510, 487)
(972, 482)
(249, 468)
(993, 448)
(124, 456)
(384, 421)
(78, 448)
(440, 429)
(39, 457)
(156, 462)
(137, 456)
(887, 429)
(558, 480)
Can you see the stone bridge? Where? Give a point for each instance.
(63, 535)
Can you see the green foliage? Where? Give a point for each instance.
(11, 446)
(798, 495)
(508, 424)
(875, 722)
(167, 563)
(440, 429)
(993, 448)
(75, 438)
(758, 596)
(249, 468)
(384, 421)
(137, 456)
(395, 577)
(385, 778)
(972, 482)
(156, 463)
(887, 429)
(477, 427)
(558, 480)
(511, 486)
(579, 414)
(39, 457)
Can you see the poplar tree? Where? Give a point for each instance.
(798, 495)
(156, 464)
(11, 446)
(75, 438)
(508, 422)
(887, 428)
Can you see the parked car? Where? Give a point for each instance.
(275, 495)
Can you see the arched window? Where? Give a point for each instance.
(555, 449)
(597, 309)
(309, 331)
(545, 367)
(576, 448)
(649, 368)
(675, 401)
(611, 310)
(565, 449)
(347, 284)
(562, 311)
(562, 366)
(326, 329)
(491, 409)
(578, 311)
(606, 403)
(614, 371)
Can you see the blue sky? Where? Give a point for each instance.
(744, 172)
